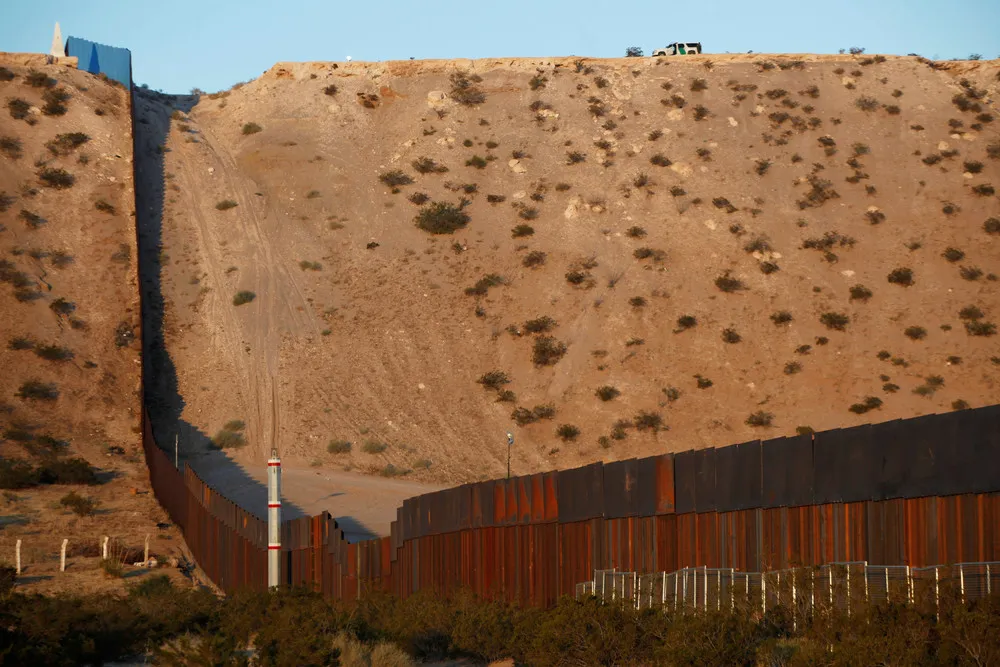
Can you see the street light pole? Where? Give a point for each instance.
(510, 445)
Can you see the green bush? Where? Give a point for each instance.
(251, 128)
(395, 178)
(18, 108)
(230, 436)
(56, 178)
(339, 447)
(494, 380)
(243, 296)
(78, 504)
(607, 393)
(441, 218)
(547, 351)
(374, 447)
(226, 204)
(35, 390)
(11, 147)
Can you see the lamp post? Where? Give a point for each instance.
(510, 444)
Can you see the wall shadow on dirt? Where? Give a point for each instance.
(163, 400)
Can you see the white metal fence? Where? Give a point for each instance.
(837, 586)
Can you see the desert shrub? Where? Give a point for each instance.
(494, 380)
(761, 166)
(477, 162)
(11, 147)
(330, 90)
(728, 284)
(56, 178)
(637, 302)
(243, 297)
(781, 317)
(533, 259)
(915, 332)
(654, 135)
(760, 418)
(576, 277)
(641, 180)
(78, 504)
(464, 91)
(521, 231)
(984, 190)
(251, 128)
(960, 404)
(870, 403)
(528, 213)
(731, 336)
(979, 328)
(970, 272)
(547, 351)
(540, 324)
(395, 178)
(792, 367)
(567, 432)
(55, 101)
(607, 392)
(53, 352)
(6, 75)
(860, 293)
(635, 232)
(575, 157)
(698, 85)
(18, 108)
(426, 165)
(660, 160)
(875, 217)
(441, 218)
(953, 254)
(647, 253)
(419, 198)
(35, 390)
(971, 313)
(866, 103)
(835, 321)
(685, 322)
(648, 421)
(64, 144)
(537, 81)
(701, 112)
(901, 276)
(506, 396)
(374, 447)
(992, 226)
(33, 220)
(483, 285)
(230, 436)
(339, 447)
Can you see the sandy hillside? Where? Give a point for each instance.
(69, 320)
(711, 237)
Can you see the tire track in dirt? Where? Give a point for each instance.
(279, 309)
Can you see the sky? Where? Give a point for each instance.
(213, 44)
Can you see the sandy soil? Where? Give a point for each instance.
(375, 340)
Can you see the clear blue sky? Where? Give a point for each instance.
(212, 44)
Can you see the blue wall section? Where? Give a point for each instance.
(113, 62)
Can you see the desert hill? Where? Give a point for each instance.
(70, 398)
(614, 257)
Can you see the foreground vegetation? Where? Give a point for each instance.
(298, 627)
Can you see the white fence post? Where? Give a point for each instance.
(961, 580)
(62, 555)
(763, 593)
(17, 556)
(887, 584)
(865, 566)
(848, 590)
(104, 548)
(794, 610)
(705, 590)
(718, 600)
(937, 595)
(694, 581)
(988, 583)
(829, 569)
(909, 586)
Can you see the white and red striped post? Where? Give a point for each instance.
(273, 519)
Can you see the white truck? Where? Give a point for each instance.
(679, 49)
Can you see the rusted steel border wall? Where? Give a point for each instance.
(910, 492)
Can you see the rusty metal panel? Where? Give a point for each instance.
(787, 471)
(537, 514)
(581, 493)
(665, 484)
(969, 457)
(739, 481)
(464, 507)
(499, 503)
(524, 489)
(646, 486)
(510, 491)
(484, 491)
(550, 482)
(685, 480)
(621, 489)
(847, 465)
(704, 493)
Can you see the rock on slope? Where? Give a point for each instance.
(69, 310)
(732, 247)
